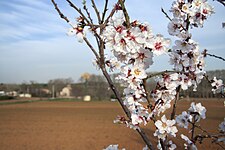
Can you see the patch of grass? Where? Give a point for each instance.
(19, 102)
(6, 97)
(63, 100)
(40, 100)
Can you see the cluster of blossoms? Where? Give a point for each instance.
(194, 114)
(187, 60)
(185, 55)
(133, 48)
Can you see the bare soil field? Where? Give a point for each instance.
(83, 126)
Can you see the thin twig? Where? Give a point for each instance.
(175, 102)
(59, 12)
(161, 73)
(193, 128)
(127, 18)
(146, 139)
(96, 11)
(105, 10)
(78, 10)
(146, 92)
(92, 48)
(222, 2)
(110, 15)
(218, 57)
(208, 135)
(167, 16)
(87, 12)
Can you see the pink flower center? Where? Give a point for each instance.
(205, 11)
(142, 56)
(123, 42)
(119, 29)
(158, 45)
(143, 28)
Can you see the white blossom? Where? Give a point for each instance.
(159, 45)
(197, 111)
(217, 85)
(183, 119)
(165, 127)
(77, 31)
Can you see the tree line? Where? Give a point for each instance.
(97, 87)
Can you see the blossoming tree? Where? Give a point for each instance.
(132, 46)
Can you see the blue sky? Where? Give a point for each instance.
(34, 45)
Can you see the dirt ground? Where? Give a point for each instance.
(82, 126)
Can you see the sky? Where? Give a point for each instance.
(34, 45)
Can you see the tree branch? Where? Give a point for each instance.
(218, 57)
(110, 15)
(125, 13)
(59, 12)
(78, 10)
(160, 73)
(175, 102)
(92, 49)
(147, 93)
(221, 1)
(87, 12)
(96, 11)
(104, 11)
(167, 16)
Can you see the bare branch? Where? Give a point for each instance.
(146, 91)
(59, 12)
(167, 16)
(96, 11)
(218, 57)
(146, 139)
(222, 2)
(125, 13)
(161, 73)
(105, 10)
(92, 48)
(110, 15)
(88, 13)
(78, 10)
(175, 102)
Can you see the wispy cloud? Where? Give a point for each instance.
(28, 20)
